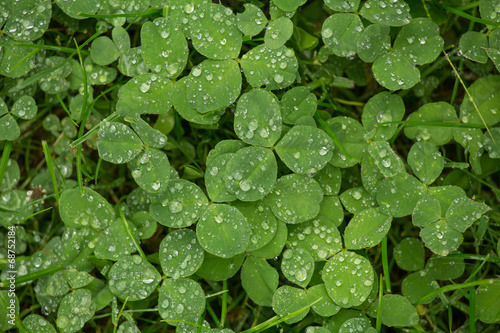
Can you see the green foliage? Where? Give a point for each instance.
(249, 166)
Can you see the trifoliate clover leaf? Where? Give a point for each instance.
(399, 195)
(75, 310)
(117, 143)
(180, 300)
(180, 253)
(472, 46)
(385, 158)
(395, 72)
(103, 51)
(214, 32)
(251, 173)
(278, 32)
(419, 41)
(213, 85)
(432, 112)
(133, 278)
(263, 224)
(295, 198)
(180, 205)
(151, 170)
(305, 149)
(340, 33)
(164, 47)
(410, 254)
(366, 229)
(348, 279)
(426, 161)
(87, 209)
(297, 266)
(392, 13)
(252, 20)
(259, 280)
(373, 42)
(223, 231)
(257, 119)
(288, 300)
(273, 68)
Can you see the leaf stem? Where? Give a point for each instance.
(7, 149)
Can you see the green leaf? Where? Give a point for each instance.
(288, 300)
(366, 229)
(9, 129)
(417, 285)
(117, 143)
(441, 238)
(297, 266)
(340, 33)
(319, 237)
(492, 145)
(74, 8)
(446, 195)
(207, 36)
(151, 137)
(164, 47)
(296, 103)
(213, 85)
(289, 5)
(128, 327)
(373, 42)
(399, 195)
(28, 19)
(260, 218)
(305, 149)
(180, 205)
(395, 72)
(410, 254)
(115, 243)
(252, 20)
(275, 246)
(86, 209)
(180, 300)
(187, 112)
(325, 307)
(356, 325)
(257, 119)
(180, 253)
(77, 279)
(251, 173)
(224, 147)
(419, 41)
(426, 161)
(463, 212)
(396, 311)
(357, 199)
(472, 46)
(131, 62)
(274, 68)
(12, 175)
(259, 280)
(348, 279)
(394, 14)
(330, 179)
(295, 198)
(352, 137)
(345, 6)
(432, 112)
(371, 176)
(151, 170)
(38, 324)
(278, 32)
(75, 310)
(485, 92)
(215, 268)
(121, 39)
(427, 211)
(146, 93)
(385, 158)
(214, 179)
(223, 231)
(16, 60)
(103, 51)
(331, 209)
(444, 269)
(487, 298)
(145, 224)
(55, 82)
(57, 285)
(133, 278)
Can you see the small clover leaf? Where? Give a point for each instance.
(410, 254)
(472, 46)
(288, 300)
(75, 310)
(296, 103)
(381, 108)
(352, 137)
(180, 253)
(395, 72)
(180, 300)
(392, 13)
(385, 158)
(25, 16)
(486, 96)
(426, 161)
(36, 323)
(297, 266)
(427, 211)
(441, 238)
(9, 129)
(374, 41)
(117, 143)
(289, 5)
(77, 7)
(215, 268)
(366, 229)
(357, 199)
(278, 32)
(151, 170)
(396, 311)
(252, 20)
(325, 307)
(492, 145)
(399, 195)
(340, 33)
(103, 51)
(345, 6)
(463, 212)
(260, 280)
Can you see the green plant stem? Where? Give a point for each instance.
(385, 265)
(50, 167)
(4, 161)
(465, 15)
(224, 305)
(454, 287)
(131, 235)
(431, 124)
(84, 116)
(35, 275)
(378, 324)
